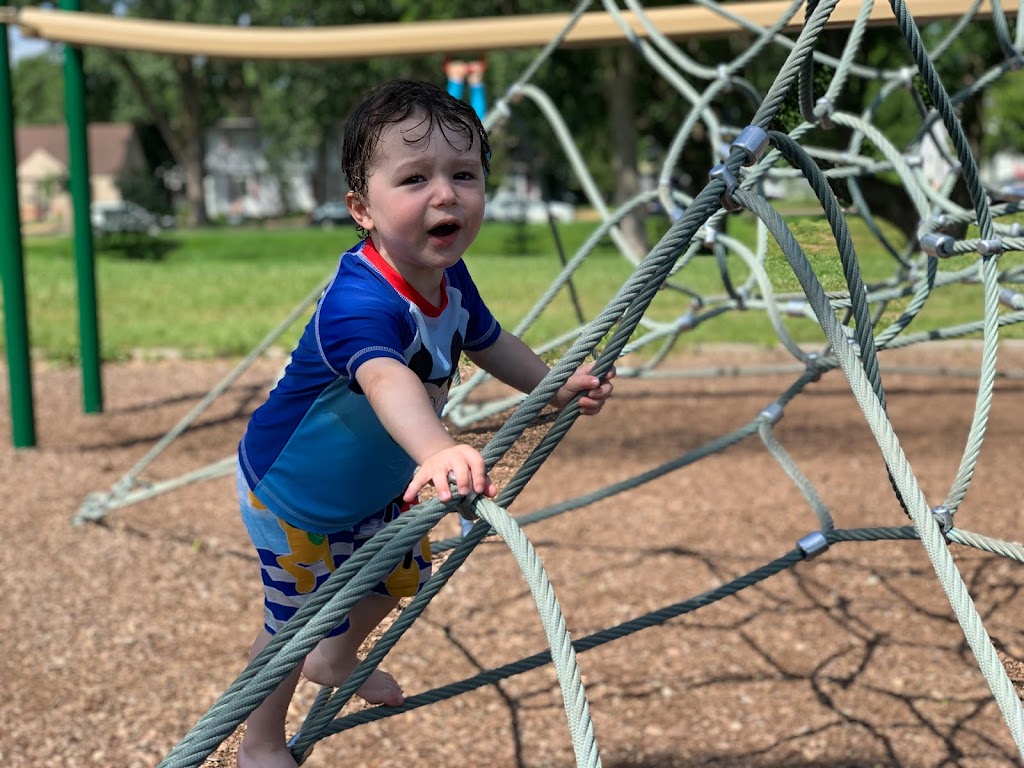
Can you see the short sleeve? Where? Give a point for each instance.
(354, 327)
(482, 329)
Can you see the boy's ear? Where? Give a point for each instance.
(357, 207)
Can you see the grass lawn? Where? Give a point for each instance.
(218, 292)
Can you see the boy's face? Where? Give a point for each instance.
(424, 199)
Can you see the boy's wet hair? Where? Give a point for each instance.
(394, 102)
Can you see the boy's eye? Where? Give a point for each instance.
(414, 179)
(464, 176)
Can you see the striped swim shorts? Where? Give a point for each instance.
(294, 563)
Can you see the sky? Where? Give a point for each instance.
(21, 47)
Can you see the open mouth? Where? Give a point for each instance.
(443, 230)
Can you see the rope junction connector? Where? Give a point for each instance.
(753, 140)
(906, 75)
(710, 236)
(992, 247)
(1016, 230)
(772, 413)
(823, 110)
(813, 544)
(913, 160)
(938, 245)
(1011, 298)
(813, 363)
(795, 308)
(722, 173)
(943, 517)
(686, 322)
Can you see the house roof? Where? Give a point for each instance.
(109, 144)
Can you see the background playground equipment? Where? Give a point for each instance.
(70, 25)
(694, 224)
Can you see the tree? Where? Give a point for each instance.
(36, 101)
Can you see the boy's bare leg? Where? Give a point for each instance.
(264, 744)
(335, 658)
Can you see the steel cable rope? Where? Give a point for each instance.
(1002, 30)
(688, 65)
(821, 113)
(717, 445)
(790, 467)
(924, 523)
(626, 309)
(462, 415)
(548, 109)
(674, 78)
(711, 185)
(864, 328)
(988, 261)
(760, 276)
(958, 27)
(921, 194)
(327, 704)
(581, 645)
(329, 605)
(860, 70)
(313, 621)
(96, 505)
(500, 108)
(818, 365)
(554, 118)
(659, 617)
(722, 75)
(314, 629)
(974, 87)
(632, 299)
(573, 696)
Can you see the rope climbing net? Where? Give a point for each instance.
(849, 319)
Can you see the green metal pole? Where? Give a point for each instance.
(78, 148)
(12, 267)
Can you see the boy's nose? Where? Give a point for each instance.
(444, 193)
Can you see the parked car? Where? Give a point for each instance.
(126, 217)
(1009, 190)
(517, 208)
(330, 214)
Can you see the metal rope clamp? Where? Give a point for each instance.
(823, 111)
(772, 413)
(943, 517)
(753, 142)
(722, 173)
(813, 544)
(938, 245)
(993, 247)
(1010, 298)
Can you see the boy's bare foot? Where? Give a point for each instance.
(379, 687)
(275, 759)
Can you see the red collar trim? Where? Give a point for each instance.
(401, 285)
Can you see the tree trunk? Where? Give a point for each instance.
(619, 96)
(190, 134)
(184, 139)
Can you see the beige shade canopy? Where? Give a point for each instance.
(367, 41)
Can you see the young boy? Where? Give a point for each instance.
(332, 455)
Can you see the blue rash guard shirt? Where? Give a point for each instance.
(315, 453)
